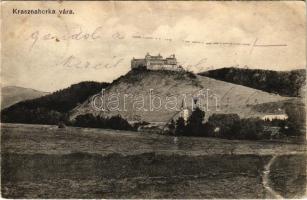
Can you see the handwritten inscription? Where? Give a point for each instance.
(96, 34)
(221, 44)
(37, 36)
(77, 63)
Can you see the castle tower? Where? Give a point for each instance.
(185, 113)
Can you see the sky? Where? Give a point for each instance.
(49, 52)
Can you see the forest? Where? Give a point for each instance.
(284, 83)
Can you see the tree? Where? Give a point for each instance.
(180, 126)
(223, 125)
(171, 127)
(195, 122)
(117, 122)
(250, 128)
(295, 124)
(288, 83)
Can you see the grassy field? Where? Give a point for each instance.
(47, 162)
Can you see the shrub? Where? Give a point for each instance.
(171, 128)
(115, 122)
(230, 126)
(251, 129)
(32, 116)
(223, 125)
(139, 124)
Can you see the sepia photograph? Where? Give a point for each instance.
(153, 100)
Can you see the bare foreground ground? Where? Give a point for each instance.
(40, 161)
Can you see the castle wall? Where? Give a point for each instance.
(135, 63)
(163, 67)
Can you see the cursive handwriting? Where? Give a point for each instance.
(77, 63)
(96, 34)
(79, 34)
(215, 43)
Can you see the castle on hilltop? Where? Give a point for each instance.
(156, 63)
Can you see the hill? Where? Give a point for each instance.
(143, 95)
(51, 108)
(134, 95)
(285, 83)
(13, 94)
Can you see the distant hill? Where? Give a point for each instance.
(13, 94)
(284, 83)
(224, 97)
(51, 108)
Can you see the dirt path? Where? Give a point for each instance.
(266, 181)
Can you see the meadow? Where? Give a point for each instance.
(43, 161)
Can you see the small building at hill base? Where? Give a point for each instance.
(271, 117)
